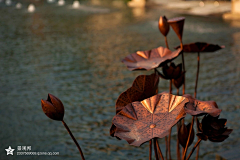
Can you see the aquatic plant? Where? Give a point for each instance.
(144, 115)
(54, 109)
(135, 122)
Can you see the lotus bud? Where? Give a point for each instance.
(53, 108)
(179, 81)
(163, 25)
(177, 25)
(183, 133)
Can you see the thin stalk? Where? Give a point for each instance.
(178, 149)
(196, 83)
(189, 135)
(183, 90)
(198, 142)
(150, 149)
(159, 150)
(198, 147)
(169, 136)
(166, 144)
(166, 42)
(178, 92)
(195, 93)
(169, 143)
(155, 148)
(79, 148)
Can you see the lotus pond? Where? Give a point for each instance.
(76, 55)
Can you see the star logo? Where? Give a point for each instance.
(9, 150)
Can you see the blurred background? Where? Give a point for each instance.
(73, 50)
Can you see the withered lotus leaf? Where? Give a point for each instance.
(213, 129)
(179, 81)
(200, 47)
(197, 107)
(172, 71)
(143, 87)
(141, 121)
(163, 25)
(183, 133)
(150, 59)
(53, 107)
(177, 25)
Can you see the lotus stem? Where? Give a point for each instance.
(195, 93)
(166, 144)
(183, 91)
(155, 148)
(169, 143)
(79, 148)
(189, 135)
(178, 149)
(198, 147)
(150, 149)
(198, 66)
(169, 136)
(178, 92)
(197, 144)
(159, 150)
(166, 42)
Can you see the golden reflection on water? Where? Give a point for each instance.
(236, 50)
(138, 11)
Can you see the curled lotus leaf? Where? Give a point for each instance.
(177, 24)
(150, 59)
(153, 117)
(200, 47)
(143, 87)
(197, 107)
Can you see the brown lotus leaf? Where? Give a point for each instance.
(150, 59)
(177, 25)
(200, 47)
(53, 107)
(179, 81)
(144, 86)
(183, 133)
(197, 107)
(163, 25)
(214, 129)
(141, 121)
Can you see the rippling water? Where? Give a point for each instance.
(75, 54)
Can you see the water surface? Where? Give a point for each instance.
(75, 54)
